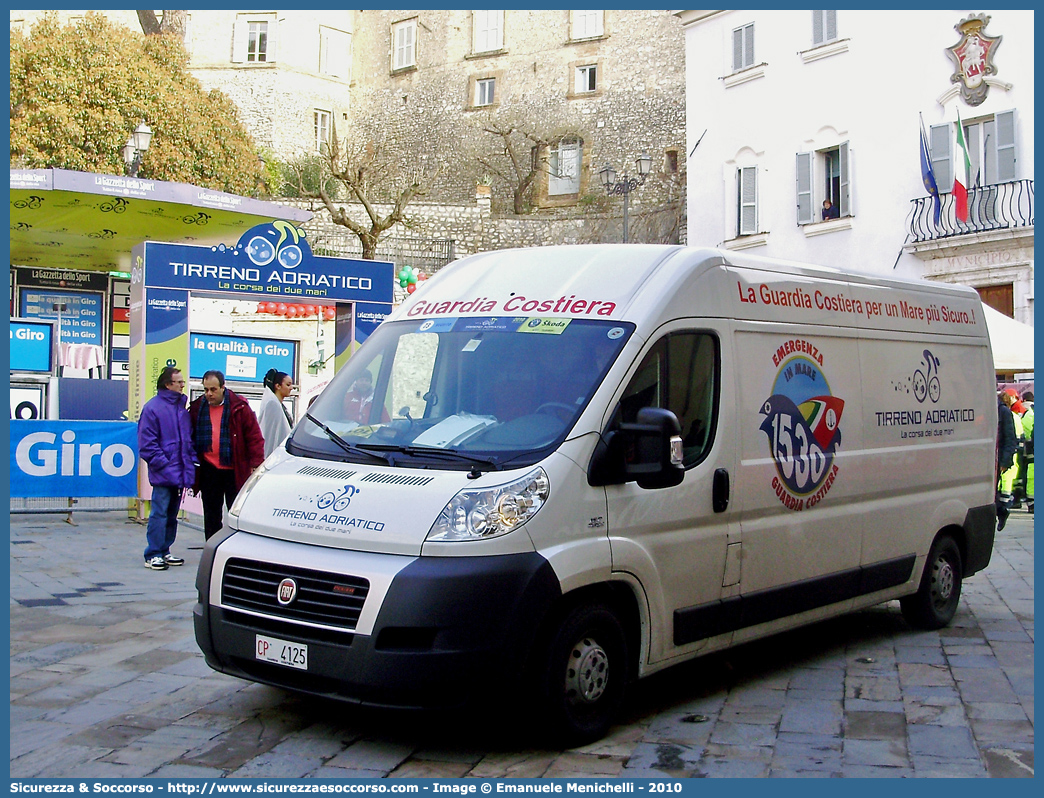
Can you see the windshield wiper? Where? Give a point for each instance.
(492, 463)
(351, 448)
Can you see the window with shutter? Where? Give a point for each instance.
(254, 39)
(805, 209)
(335, 48)
(824, 27)
(991, 151)
(404, 44)
(488, 27)
(942, 167)
(564, 168)
(843, 197)
(823, 185)
(322, 131)
(1006, 156)
(747, 193)
(743, 47)
(586, 24)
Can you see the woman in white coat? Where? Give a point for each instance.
(273, 418)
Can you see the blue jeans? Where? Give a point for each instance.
(163, 520)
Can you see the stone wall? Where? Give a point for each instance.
(474, 228)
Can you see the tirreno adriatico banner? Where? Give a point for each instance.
(73, 458)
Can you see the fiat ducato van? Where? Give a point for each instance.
(554, 471)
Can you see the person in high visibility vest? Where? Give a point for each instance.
(1007, 479)
(1023, 409)
(1007, 444)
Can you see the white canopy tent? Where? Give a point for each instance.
(1012, 342)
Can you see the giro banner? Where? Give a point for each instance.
(73, 458)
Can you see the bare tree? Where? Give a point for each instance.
(518, 162)
(173, 22)
(373, 176)
(520, 151)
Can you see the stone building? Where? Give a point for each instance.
(800, 107)
(589, 88)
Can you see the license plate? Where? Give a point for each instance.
(281, 652)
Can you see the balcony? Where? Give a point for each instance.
(1002, 206)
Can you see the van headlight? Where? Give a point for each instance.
(241, 497)
(490, 512)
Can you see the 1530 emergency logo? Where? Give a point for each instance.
(802, 420)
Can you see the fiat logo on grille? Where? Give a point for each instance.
(286, 592)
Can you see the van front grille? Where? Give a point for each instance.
(325, 598)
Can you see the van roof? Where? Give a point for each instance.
(636, 282)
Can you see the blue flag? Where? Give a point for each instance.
(928, 176)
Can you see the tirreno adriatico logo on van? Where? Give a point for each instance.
(923, 382)
(803, 425)
(339, 500)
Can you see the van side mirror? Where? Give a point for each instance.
(648, 451)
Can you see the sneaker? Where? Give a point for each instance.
(170, 559)
(156, 564)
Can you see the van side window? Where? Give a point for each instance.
(680, 373)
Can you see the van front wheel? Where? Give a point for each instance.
(586, 674)
(935, 602)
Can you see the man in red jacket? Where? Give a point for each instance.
(228, 443)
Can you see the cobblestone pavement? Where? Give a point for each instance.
(106, 681)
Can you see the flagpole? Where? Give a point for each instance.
(928, 175)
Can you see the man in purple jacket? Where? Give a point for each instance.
(165, 443)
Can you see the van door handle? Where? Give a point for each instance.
(720, 499)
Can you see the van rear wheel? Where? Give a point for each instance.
(935, 602)
(585, 674)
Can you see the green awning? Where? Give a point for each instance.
(77, 220)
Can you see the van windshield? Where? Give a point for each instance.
(461, 393)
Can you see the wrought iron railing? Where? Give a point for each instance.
(1001, 206)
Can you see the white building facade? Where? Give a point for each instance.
(789, 110)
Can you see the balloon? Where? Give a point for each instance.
(411, 288)
(412, 279)
(309, 310)
(281, 309)
(330, 313)
(261, 307)
(403, 273)
(403, 282)
(270, 307)
(291, 311)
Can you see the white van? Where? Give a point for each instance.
(565, 468)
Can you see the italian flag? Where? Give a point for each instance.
(961, 170)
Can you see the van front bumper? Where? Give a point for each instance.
(448, 628)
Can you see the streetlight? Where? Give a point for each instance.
(626, 184)
(135, 148)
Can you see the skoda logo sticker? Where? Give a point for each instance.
(286, 592)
